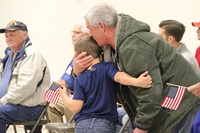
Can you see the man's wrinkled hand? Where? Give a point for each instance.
(81, 62)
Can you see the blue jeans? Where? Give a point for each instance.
(12, 113)
(94, 125)
(121, 112)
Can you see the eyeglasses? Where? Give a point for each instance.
(75, 32)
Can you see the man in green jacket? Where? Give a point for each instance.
(136, 50)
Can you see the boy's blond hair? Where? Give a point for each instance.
(89, 45)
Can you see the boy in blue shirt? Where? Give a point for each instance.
(94, 98)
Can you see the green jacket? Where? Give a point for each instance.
(138, 50)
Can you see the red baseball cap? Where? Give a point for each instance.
(196, 24)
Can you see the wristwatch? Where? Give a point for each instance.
(73, 74)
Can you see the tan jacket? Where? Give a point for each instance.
(26, 75)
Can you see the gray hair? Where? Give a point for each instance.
(102, 13)
(84, 28)
(22, 32)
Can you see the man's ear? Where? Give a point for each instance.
(102, 26)
(25, 34)
(170, 39)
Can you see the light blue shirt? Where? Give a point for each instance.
(8, 68)
(68, 77)
(6, 75)
(185, 52)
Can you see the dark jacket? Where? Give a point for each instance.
(138, 50)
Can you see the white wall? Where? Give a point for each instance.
(50, 22)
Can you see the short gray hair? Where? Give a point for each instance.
(102, 13)
(84, 28)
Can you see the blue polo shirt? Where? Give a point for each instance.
(97, 88)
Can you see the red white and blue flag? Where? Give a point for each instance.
(52, 94)
(174, 97)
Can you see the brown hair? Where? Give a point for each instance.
(173, 28)
(89, 45)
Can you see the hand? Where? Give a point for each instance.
(61, 82)
(195, 89)
(81, 62)
(137, 130)
(63, 91)
(144, 80)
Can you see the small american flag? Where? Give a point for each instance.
(52, 94)
(173, 98)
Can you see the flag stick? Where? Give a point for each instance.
(175, 85)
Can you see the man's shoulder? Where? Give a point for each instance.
(32, 51)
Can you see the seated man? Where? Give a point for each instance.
(24, 78)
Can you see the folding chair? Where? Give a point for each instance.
(62, 127)
(42, 120)
(125, 128)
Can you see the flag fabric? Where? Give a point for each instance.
(174, 97)
(52, 94)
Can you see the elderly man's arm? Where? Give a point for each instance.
(148, 100)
